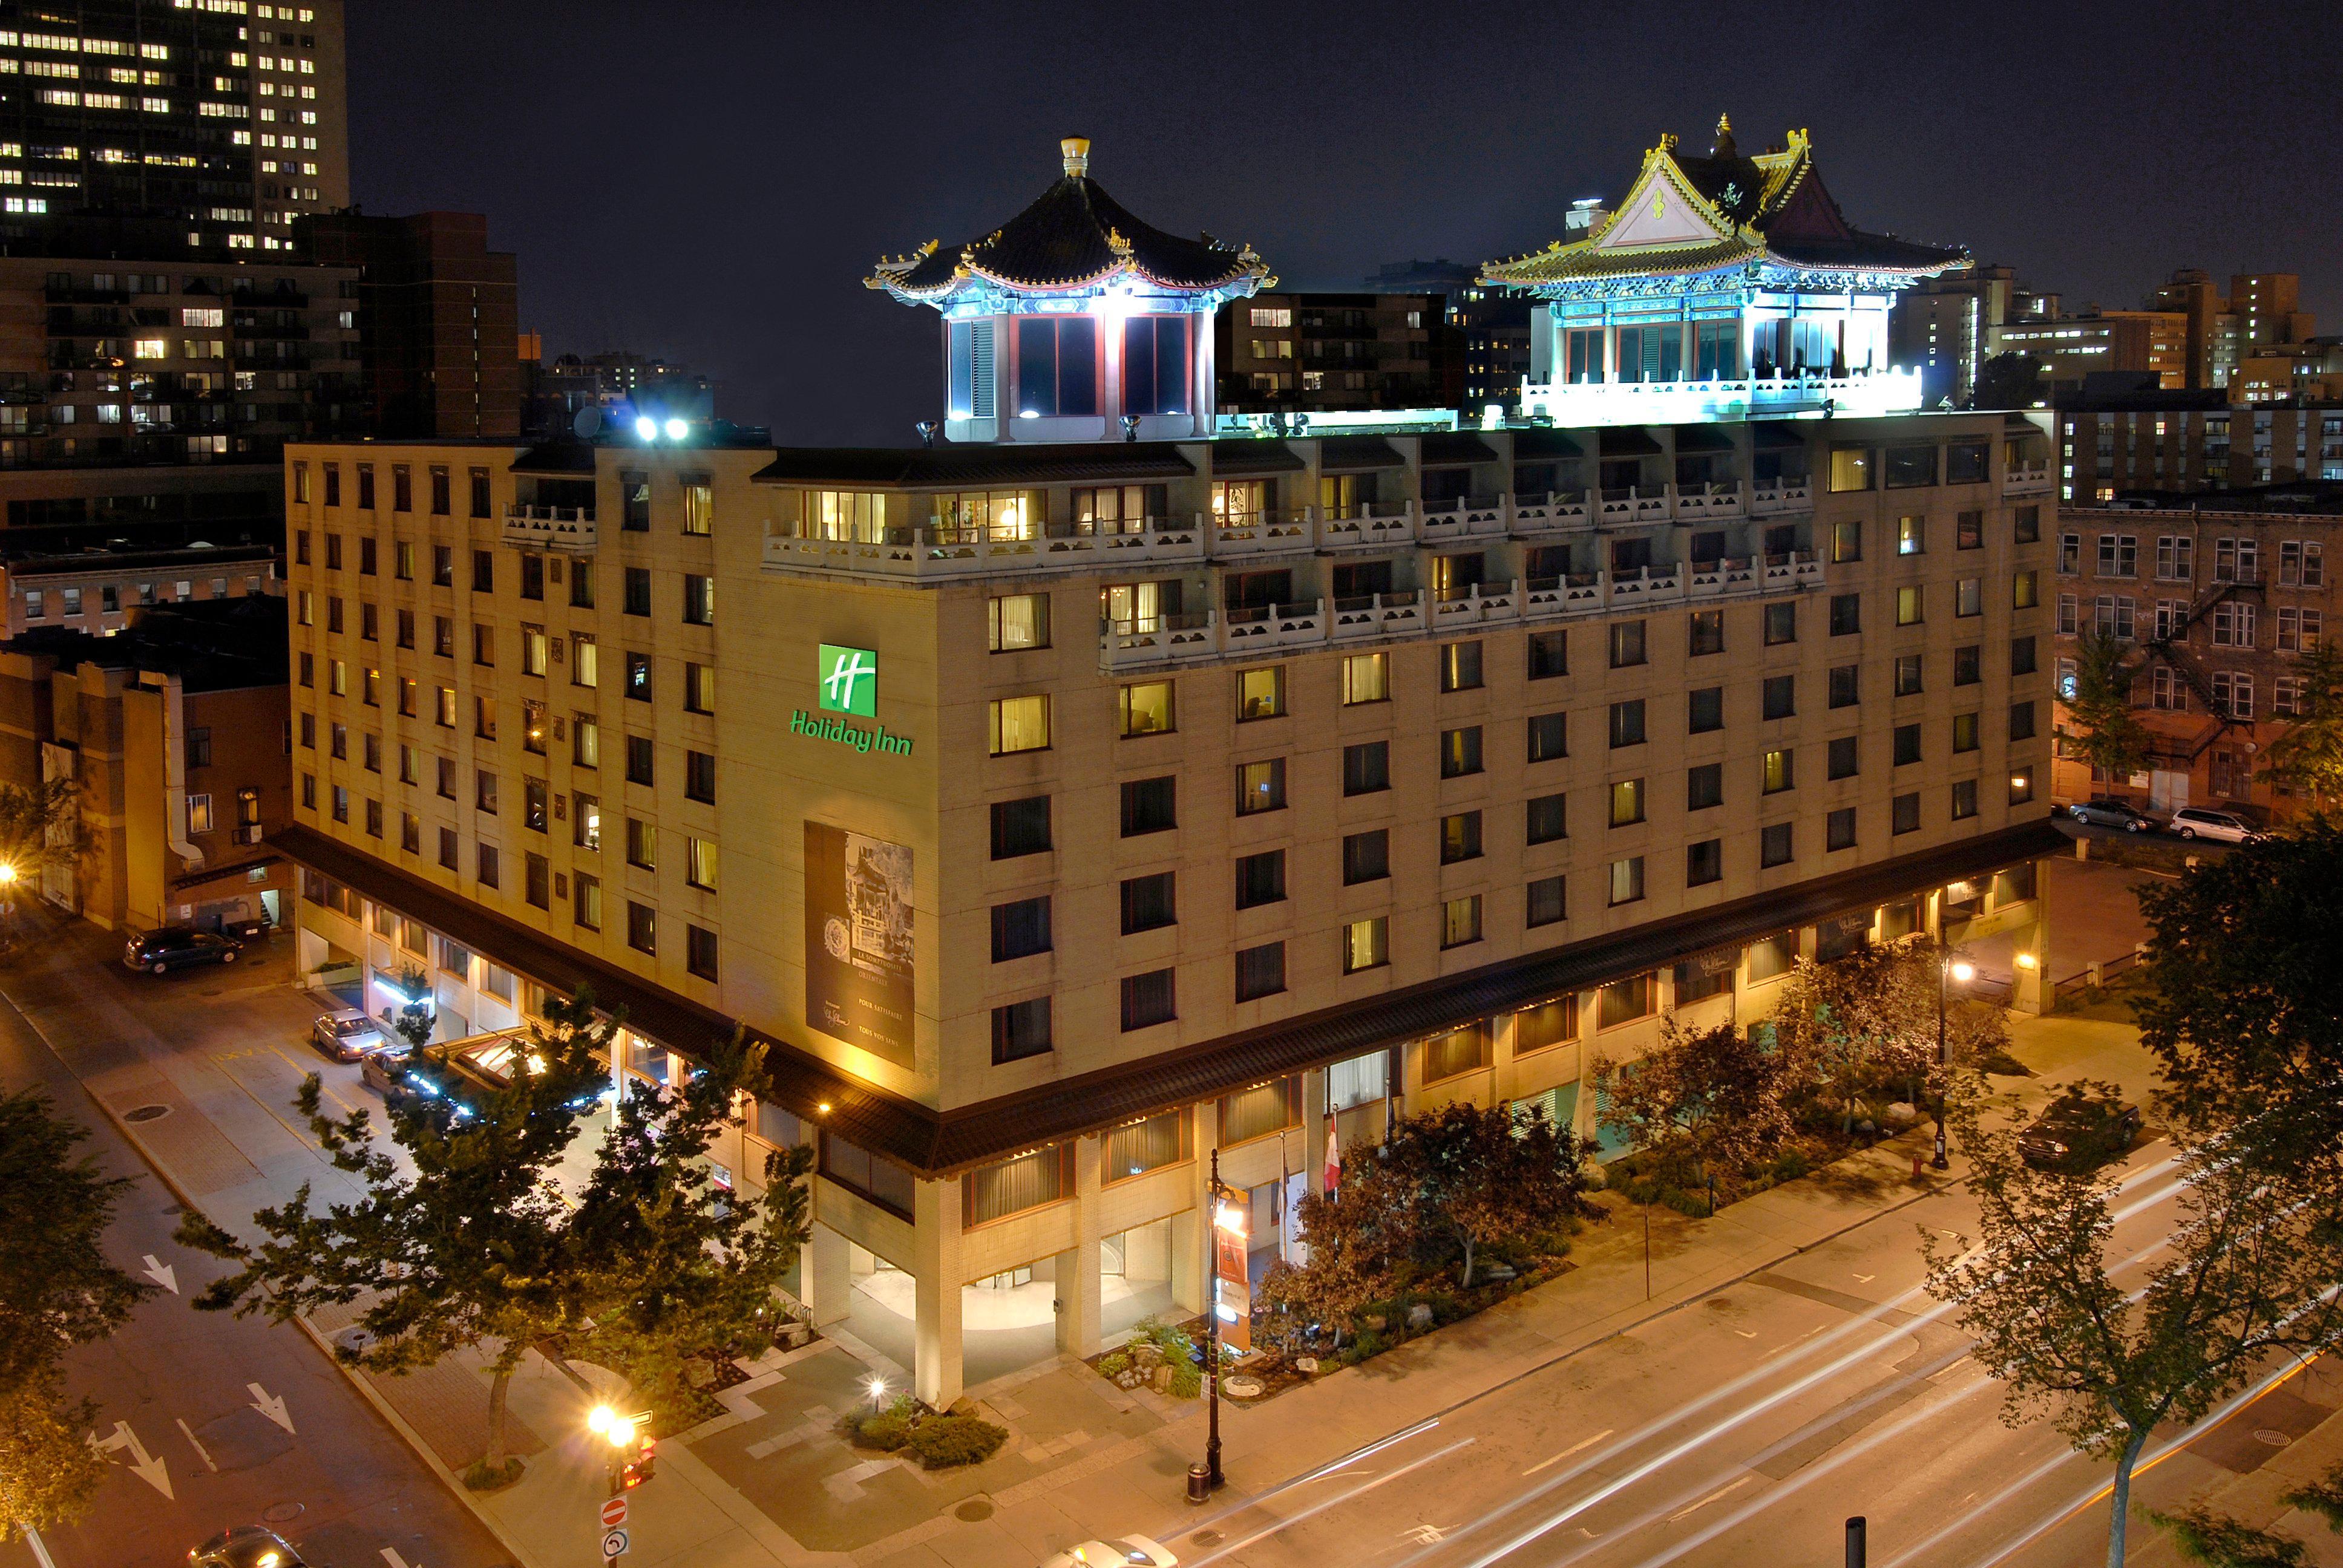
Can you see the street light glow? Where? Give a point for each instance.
(646, 428)
(1963, 972)
(7, 873)
(878, 1387)
(1230, 1218)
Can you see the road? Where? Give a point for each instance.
(1746, 1427)
(210, 1421)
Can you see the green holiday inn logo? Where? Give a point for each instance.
(849, 680)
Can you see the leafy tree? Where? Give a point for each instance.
(1717, 1098)
(2010, 381)
(1867, 1022)
(40, 824)
(469, 1251)
(2102, 728)
(1463, 1176)
(2307, 756)
(2202, 1536)
(418, 1018)
(675, 1264)
(56, 1289)
(1353, 1237)
(2323, 1497)
(2246, 1276)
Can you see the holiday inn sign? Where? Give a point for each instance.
(846, 681)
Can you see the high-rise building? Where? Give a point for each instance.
(1308, 353)
(170, 131)
(439, 321)
(1941, 327)
(2099, 342)
(617, 384)
(1090, 793)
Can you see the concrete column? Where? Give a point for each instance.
(935, 1379)
(1500, 1057)
(1078, 1282)
(1313, 1128)
(829, 1275)
(2035, 992)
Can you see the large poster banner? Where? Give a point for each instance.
(858, 928)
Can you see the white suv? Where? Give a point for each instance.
(2195, 822)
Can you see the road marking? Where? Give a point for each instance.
(201, 1452)
(40, 1548)
(394, 1560)
(1425, 1534)
(145, 1466)
(1720, 1491)
(1746, 1333)
(162, 1274)
(274, 1409)
(1340, 1497)
(1867, 1279)
(1574, 1448)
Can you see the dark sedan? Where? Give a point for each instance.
(176, 946)
(246, 1546)
(2079, 1130)
(2105, 811)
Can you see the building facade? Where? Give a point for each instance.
(2119, 445)
(1315, 353)
(439, 320)
(2070, 348)
(1941, 327)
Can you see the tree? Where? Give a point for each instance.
(2009, 381)
(40, 824)
(2247, 1277)
(2103, 730)
(418, 1018)
(471, 1250)
(674, 1265)
(1350, 1259)
(1717, 1098)
(1868, 1021)
(1463, 1176)
(2202, 1536)
(2307, 756)
(56, 1289)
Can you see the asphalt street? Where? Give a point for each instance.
(1746, 1427)
(208, 1420)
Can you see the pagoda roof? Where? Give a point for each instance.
(1075, 236)
(1729, 211)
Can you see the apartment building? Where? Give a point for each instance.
(438, 318)
(2219, 597)
(1317, 352)
(2115, 444)
(2071, 348)
(89, 584)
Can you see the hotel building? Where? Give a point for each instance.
(1114, 784)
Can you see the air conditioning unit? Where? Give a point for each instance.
(247, 833)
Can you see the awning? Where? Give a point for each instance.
(1252, 460)
(1356, 454)
(1702, 439)
(1454, 449)
(1530, 445)
(977, 466)
(1629, 441)
(1776, 436)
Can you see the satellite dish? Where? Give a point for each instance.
(588, 423)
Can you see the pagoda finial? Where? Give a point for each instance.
(1076, 151)
(1667, 141)
(1723, 147)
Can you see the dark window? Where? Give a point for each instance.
(1460, 665)
(1703, 863)
(1549, 736)
(2021, 721)
(1968, 531)
(479, 492)
(443, 563)
(581, 584)
(639, 751)
(1704, 786)
(1909, 672)
(2021, 655)
(1781, 696)
(1367, 768)
(1967, 665)
(699, 776)
(532, 576)
(1844, 685)
(1057, 367)
(1366, 857)
(1260, 971)
(1460, 837)
(1838, 828)
(1459, 752)
(1549, 655)
(1964, 798)
(1773, 845)
(1545, 901)
(1020, 1029)
(484, 571)
(1548, 818)
(1845, 614)
(1626, 643)
(699, 951)
(1020, 827)
(2025, 525)
(1148, 903)
(1705, 709)
(1905, 809)
(1021, 929)
(1261, 879)
(1908, 745)
(1707, 632)
(635, 503)
(485, 857)
(1146, 1000)
(1150, 805)
(1626, 723)
(1843, 764)
(1782, 622)
(638, 590)
(642, 927)
(367, 556)
(537, 874)
(199, 747)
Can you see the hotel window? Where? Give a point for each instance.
(1120, 508)
(366, 486)
(642, 926)
(1261, 879)
(1845, 614)
(1838, 830)
(1624, 1001)
(1549, 655)
(1911, 536)
(1460, 837)
(2025, 589)
(1547, 905)
(1779, 771)
(699, 777)
(1260, 785)
(1150, 805)
(1845, 685)
(1781, 623)
(586, 742)
(1460, 665)
(586, 900)
(635, 503)
(1019, 724)
(1969, 463)
(698, 688)
(845, 516)
(1019, 1029)
(1705, 709)
(2021, 789)
(1850, 468)
(1366, 677)
(1148, 1000)
(1018, 621)
(1968, 596)
(1364, 945)
(1903, 813)
(1367, 768)
(642, 844)
(993, 515)
(2027, 527)
(1779, 696)
(1716, 350)
(1147, 709)
(1707, 632)
(1057, 367)
(1703, 863)
(1965, 800)
(1238, 502)
(637, 590)
(1627, 725)
(970, 375)
(1549, 733)
(698, 599)
(1148, 903)
(1908, 605)
(1907, 467)
(1262, 1110)
(1021, 929)
(1460, 751)
(1626, 802)
(699, 862)
(1366, 857)
(1020, 828)
(402, 488)
(1261, 693)
(1154, 364)
(1014, 1185)
(698, 504)
(1842, 757)
(1627, 644)
(586, 822)
(1773, 845)
(1260, 972)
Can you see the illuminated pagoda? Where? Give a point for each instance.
(1074, 321)
(1722, 286)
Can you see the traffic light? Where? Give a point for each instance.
(634, 1471)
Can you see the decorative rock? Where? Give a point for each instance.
(1126, 1379)
(1146, 1355)
(1242, 1387)
(1306, 1365)
(1497, 1272)
(1900, 1115)
(1163, 1378)
(1419, 1316)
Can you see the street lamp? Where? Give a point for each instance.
(1204, 1478)
(1948, 971)
(630, 1461)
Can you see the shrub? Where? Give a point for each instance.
(1790, 1164)
(1187, 1380)
(943, 1442)
(1369, 1344)
(1113, 1364)
(886, 1431)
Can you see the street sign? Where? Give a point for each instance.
(614, 1512)
(614, 1544)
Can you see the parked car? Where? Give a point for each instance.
(2106, 811)
(246, 1546)
(2080, 1131)
(386, 1071)
(175, 947)
(345, 1034)
(1127, 1551)
(2195, 823)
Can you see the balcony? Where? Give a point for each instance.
(1781, 496)
(1468, 518)
(1581, 404)
(2027, 479)
(569, 529)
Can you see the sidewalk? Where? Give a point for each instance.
(770, 1483)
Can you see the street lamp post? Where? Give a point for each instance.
(1205, 1479)
(1948, 969)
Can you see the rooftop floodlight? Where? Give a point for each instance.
(677, 429)
(646, 428)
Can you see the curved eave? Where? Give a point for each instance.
(968, 275)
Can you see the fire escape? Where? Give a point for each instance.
(2172, 647)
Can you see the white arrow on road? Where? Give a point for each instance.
(145, 1466)
(394, 1560)
(162, 1274)
(274, 1409)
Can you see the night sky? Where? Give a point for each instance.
(711, 181)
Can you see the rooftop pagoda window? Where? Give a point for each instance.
(1585, 355)
(1057, 367)
(1716, 350)
(1652, 353)
(971, 370)
(1155, 365)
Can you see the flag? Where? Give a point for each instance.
(1334, 1159)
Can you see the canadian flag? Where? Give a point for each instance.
(1334, 1159)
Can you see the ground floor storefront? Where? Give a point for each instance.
(968, 1247)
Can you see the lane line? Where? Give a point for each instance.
(1339, 1498)
(1574, 1448)
(1730, 1486)
(1332, 1467)
(201, 1452)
